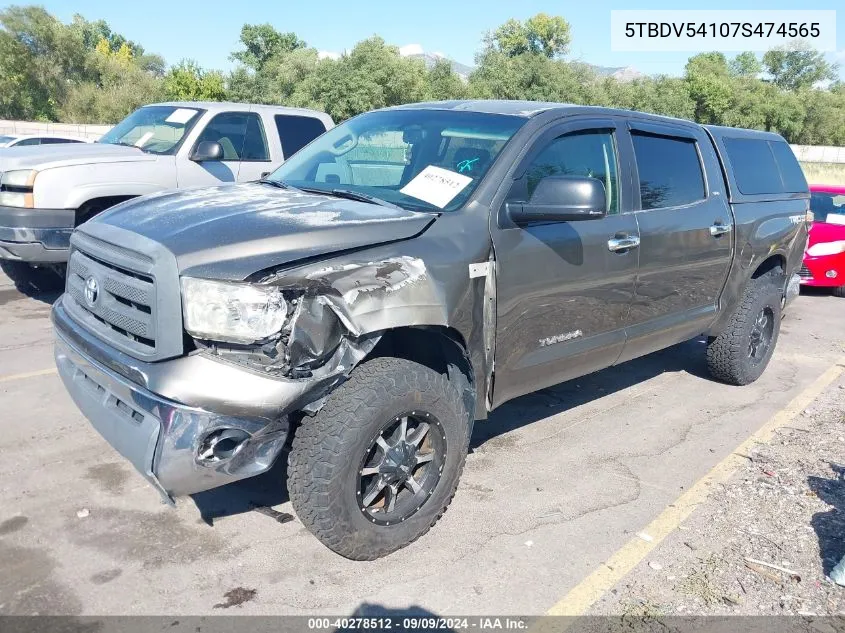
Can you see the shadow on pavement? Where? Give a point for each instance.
(257, 494)
(830, 526)
(688, 357)
(41, 284)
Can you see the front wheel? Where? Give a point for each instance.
(839, 291)
(380, 462)
(740, 354)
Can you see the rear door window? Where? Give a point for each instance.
(670, 171)
(295, 132)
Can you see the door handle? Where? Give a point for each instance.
(623, 243)
(719, 229)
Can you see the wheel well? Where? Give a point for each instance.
(439, 348)
(89, 209)
(769, 264)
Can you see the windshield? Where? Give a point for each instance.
(6, 139)
(823, 204)
(424, 160)
(154, 129)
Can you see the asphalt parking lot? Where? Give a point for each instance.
(556, 482)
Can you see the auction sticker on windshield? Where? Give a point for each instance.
(181, 115)
(436, 186)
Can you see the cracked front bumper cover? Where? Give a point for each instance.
(160, 437)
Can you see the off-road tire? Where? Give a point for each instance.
(839, 291)
(727, 354)
(327, 450)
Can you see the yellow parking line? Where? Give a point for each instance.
(29, 374)
(593, 587)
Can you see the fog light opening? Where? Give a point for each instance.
(220, 445)
(831, 274)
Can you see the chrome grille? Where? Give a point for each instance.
(805, 273)
(138, 307)
(123, 304)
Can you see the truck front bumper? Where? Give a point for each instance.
(172, 443)
(35, 235)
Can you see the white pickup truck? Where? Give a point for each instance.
(46, 191)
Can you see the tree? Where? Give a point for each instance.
(746, 65)
(372, 75)
(797, 66)
(668, 96)
(186, 81)
(710, 86)
(444, 83)
(533, 77)
(120, 88)
(262, 42)
(541, 34)
(93, 32)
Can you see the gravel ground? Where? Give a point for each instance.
(764, 543)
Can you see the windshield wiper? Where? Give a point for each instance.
(278, 184)
(125, 144)
(362, 197)
(275, 183)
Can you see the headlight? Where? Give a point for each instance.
(826, 248)
(16, 199)
(19, 179)
(232, 312)
(16, 188)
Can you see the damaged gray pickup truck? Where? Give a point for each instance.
(401, 277)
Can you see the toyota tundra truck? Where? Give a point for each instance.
(401, 277)
(47, 190)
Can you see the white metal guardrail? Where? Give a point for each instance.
(80, 130)
(819, 154)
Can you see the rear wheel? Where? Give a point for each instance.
(380, 462)
(740, 354)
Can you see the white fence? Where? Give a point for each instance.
(92, 132)
(819, 154)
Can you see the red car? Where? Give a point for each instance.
(824, 261)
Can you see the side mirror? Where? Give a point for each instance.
(207, 150)
(561, 199)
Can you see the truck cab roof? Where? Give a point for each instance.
(228, 106)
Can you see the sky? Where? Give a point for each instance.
(207, 31)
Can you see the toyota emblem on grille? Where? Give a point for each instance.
(92, 291)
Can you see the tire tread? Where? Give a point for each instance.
(321, 446)
(727, 353)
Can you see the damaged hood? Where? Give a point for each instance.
(233, 231)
